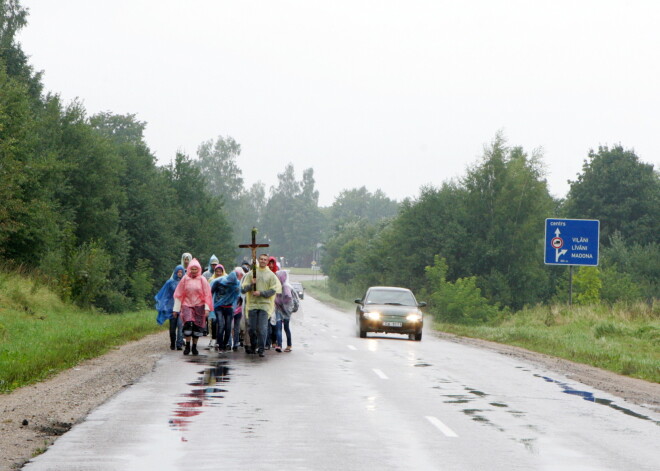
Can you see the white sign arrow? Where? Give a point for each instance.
(558, 253)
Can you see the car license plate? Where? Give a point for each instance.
(392, 324)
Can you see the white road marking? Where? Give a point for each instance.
(440, 426)
(351, 347)
(380, 374)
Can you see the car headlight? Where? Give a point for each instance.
(373, 315)
(414, 317)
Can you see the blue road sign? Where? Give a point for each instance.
(571, 241)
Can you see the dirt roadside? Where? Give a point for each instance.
(34, 416)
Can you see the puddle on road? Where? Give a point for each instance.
(530, 445)
(474, 415)
(589, 396)
(204, 394)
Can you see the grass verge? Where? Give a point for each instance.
(303, 271)
(319, 290)
(40, 335)
(624, 339)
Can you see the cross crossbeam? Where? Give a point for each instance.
(254, 247)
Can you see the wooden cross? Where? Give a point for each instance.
(253, 246)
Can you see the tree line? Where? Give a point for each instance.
(85, 205)
(474, 246)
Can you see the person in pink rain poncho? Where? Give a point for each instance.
(193, 301)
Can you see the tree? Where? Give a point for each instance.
(150, 201)
(430, 225)
(506, 204)
(359, 203)
(217, 162)
(292, 220)
(249, 212)
(201, 223)
(14, 127)
(622, 192)
(13, 17)
(344, 256)
(31, 220)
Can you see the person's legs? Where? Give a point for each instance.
(188, 332)
(173, 328)
(197, 332)
(227, 315)
(252, 330)
(220, 327)
(179, 332)
(237, 330)
(278, 332)
(212, 328)
(287, 331)
(262, 329)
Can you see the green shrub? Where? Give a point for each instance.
(587, 285)
(141, 283)
(459, 302)
(618, 286)
(112, 302)
(88, 269)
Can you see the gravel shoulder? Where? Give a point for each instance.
(34, 416)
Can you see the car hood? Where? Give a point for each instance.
(390, 310)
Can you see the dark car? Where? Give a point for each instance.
(299, 288)
(391, 310)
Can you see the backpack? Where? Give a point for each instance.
(296, 301)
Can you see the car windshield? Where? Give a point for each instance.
(396, 297)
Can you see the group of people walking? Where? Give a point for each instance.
(227, 305)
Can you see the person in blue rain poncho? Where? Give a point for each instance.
(226, 291)
(165, 302)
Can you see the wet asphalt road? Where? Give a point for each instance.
(338, 402)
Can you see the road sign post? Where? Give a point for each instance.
(571, 242)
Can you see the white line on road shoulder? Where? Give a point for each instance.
(440, 426)
(351, 347)
(380, 374)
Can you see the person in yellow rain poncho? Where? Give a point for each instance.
(260, 302)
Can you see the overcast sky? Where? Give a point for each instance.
(386, 94)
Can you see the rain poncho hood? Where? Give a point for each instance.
(186, 255)
(194, 290)
(272, 264)
(226, 290)
(214, 276)
(165, 297)
(212, 260)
